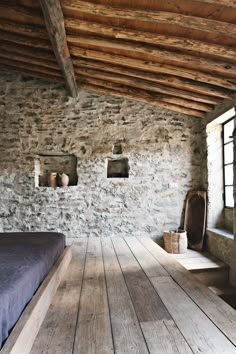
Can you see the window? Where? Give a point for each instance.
(228, 161)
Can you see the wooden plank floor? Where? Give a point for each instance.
(127, 295)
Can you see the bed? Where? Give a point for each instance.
(25, 261)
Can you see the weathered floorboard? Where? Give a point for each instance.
(127, 334)
(213, 306)
(58, 329)
(93, 333)
(149, 309)
(127, 295)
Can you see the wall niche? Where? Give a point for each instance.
(46, 164)
(118, 168)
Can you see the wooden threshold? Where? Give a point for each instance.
(26, 329)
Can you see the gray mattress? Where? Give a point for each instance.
(25, 260)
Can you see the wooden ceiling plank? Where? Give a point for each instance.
(30, 3)
(142, 98)
(55, 26)
(214, 9)
(152, 53)
(77, 8)
(147, 85)
(153, 67)
(34, 68)
(19, 14)
(23, 29)
(222, 10)
(135, 89)
(13, 48)
(26, 41)
(74, 26)
(210, 92)
(31, 73)
(27, 59)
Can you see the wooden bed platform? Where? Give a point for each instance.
(127, 295)
(23, 334)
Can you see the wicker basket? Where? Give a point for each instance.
(175, 241)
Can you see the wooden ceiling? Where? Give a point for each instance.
(176, 54)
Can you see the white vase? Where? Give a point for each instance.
(64, 179)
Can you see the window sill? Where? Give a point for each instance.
(221, 232)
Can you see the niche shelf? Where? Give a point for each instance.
(44, 164)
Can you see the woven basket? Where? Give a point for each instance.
(175, 241)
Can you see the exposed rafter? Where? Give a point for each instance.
(55, 25)
(188, 86)
(177, 54)
(152, 53)
(153, 67)
(79, 27)
(142, 96)
(153, 21)
(148, 85)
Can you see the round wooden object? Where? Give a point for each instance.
(175, 241)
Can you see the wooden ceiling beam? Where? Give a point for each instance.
(211, 93)
(151, 53)
(111, 84)
(137, 19)
(80, 27)
(142, 97)
(54, 20)
(153, 67)
(145, 84)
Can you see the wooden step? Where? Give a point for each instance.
(228, 294)
(206, 268)
(199, 261)
(221, 290)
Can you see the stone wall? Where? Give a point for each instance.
(164, 151)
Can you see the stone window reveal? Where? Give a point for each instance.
(228, 160)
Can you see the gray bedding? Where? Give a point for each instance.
(25, 260)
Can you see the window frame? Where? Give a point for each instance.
(227, 164)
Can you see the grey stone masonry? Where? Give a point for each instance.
(164, 151)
